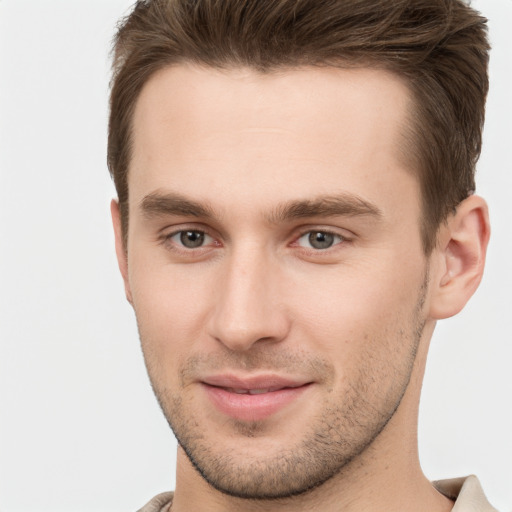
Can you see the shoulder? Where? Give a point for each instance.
(160, 503)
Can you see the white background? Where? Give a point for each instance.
(79, 427)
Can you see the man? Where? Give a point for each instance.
(296, 212)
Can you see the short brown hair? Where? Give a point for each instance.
(439, 47)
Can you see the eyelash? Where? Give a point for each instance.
(166, 240)
(342, 239)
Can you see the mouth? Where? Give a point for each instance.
(242, 391)
(254, 398)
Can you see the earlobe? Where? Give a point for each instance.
(460, 257)
(121, 250)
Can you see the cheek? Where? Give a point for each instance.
(171, 306)
(369, 335)
(350, 308)
(352, 300)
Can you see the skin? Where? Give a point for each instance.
(232, 156)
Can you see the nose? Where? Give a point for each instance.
(249, 308)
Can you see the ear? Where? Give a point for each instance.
(121, 250)
(459, 257)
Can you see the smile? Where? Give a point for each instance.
(252, 399)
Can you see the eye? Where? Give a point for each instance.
(191, 239)
(319, 240)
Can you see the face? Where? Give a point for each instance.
(275, 265)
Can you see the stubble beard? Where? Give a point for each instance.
(346, 427)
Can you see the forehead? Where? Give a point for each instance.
(260, 134)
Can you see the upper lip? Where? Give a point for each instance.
(254, 381)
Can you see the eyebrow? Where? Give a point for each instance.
(157, 204)
(325, 206)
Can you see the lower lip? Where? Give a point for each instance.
(245, 407)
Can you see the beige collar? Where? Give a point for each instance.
(467, 492)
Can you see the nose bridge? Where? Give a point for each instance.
(247, 309)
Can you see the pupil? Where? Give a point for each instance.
(320, 240)
(192, 239)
